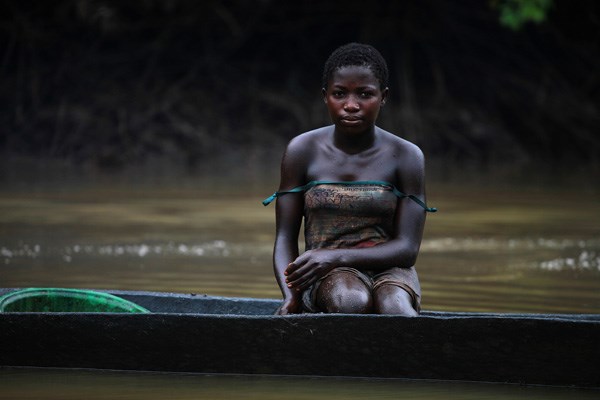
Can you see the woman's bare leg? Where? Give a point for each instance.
(344, 293)
(391, 299)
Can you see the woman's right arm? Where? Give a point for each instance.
(288, 216)
(288, 221)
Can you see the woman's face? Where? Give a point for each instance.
(354, 97)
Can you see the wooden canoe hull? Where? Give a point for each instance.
(202, 334)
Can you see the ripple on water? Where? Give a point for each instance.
(550, 254)
(215, 248)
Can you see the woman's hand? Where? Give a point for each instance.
(308, 268)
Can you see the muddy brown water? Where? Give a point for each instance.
(509, 250)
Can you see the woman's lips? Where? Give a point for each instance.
(350, 121)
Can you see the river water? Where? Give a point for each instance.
(503, 249)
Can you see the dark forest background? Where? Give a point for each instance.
(203, 86)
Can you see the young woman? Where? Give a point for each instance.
(361, 192)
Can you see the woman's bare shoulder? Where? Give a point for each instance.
(408, 161)
(298, 156)
(401, 147)
(306, 142)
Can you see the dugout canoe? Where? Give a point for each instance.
(213, 335)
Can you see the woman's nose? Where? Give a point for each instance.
(351, 104)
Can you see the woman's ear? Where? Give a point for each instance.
(384, 95)
(324, 93)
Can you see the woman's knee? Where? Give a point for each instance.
(343, 293)
(390, 299)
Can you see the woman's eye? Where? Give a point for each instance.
(338, 94)
(366, 95)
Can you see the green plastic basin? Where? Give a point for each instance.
(65, 300)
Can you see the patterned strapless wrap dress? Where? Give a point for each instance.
(354, 215)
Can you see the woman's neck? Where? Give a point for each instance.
(354, 143)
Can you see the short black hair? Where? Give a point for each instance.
(356, 54)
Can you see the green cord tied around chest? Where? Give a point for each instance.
(312, 184)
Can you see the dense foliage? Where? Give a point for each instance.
(114, 83)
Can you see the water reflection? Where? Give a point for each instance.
(40, 384)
